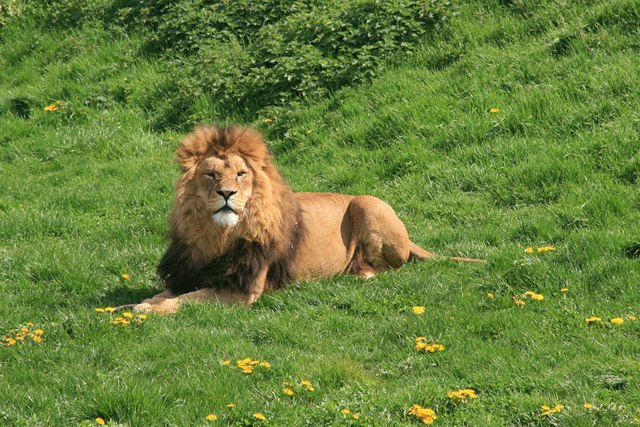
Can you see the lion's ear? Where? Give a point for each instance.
(195, 146)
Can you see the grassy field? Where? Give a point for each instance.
(514, 126)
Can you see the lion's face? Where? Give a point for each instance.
(225, 185)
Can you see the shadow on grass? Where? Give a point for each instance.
(122, 295)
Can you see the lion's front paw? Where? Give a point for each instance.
(165, 306)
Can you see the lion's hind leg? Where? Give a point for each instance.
(380, 237)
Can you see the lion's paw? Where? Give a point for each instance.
(165, 306)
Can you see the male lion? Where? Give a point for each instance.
(237, 229)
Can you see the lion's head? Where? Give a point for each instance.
(229, 198)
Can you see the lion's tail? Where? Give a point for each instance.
(416, 252)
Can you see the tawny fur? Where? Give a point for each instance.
(278, 236)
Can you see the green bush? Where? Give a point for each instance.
(248, 55)
(277, 51)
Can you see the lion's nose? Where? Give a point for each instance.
(226, 194)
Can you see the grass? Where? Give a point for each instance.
(86, 191)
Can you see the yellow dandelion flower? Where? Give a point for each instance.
(287, 391)
(588, 406)
(593, 319)
(310, 388)
(546, 249)
(51, 107)
(494, 110)
(356, 416)
(38, 332)
(490, 296)
(99, 310)
(306, 383)
(419, 339)
(345, 411)
(36, 338)
(617, 321)
(537, 297)
(109, 309)
(24, 330)
(427, 415)
(268, 120)
(529, 250)
(127, 314)
(231, 405)
(101, 421)
(549, 411)
(265, 364)
(518, 302)
(247, 369)
(125, 276)
(10, 341)
(142, 316)
(212, 417)
(260, 416)
(632, 317)
(30, 324)
(226, 362)
(564, 290)
(418, 310)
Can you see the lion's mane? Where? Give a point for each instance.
(204, 255)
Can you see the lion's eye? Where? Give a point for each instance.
(211, 175)
(241, 174)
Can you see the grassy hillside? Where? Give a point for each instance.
(497, 127)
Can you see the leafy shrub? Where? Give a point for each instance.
(248, 55)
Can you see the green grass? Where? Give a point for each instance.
(86, 191)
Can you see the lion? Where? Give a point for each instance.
(237, 229)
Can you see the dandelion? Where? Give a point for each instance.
(142, 316)
(308, 385)
(226, 362)
(534, 296)
(260, 416)
(109, 309)
(127, 314)
(212, 417)
(9, 341)
(462, 394)
(517, 302)
(546, 249)
(431, 348)
(230, 405)
(632, 317)
(268, 120)
(617, 321)
(345, 411)
(588, 406)
(101, 421)
(593, 319)
(418, 310)
(99, 310)
(490, 296)
(529, 250)
(287, 391)
(427, 415)
(125, 276)
(564, 290)
(494, 110)
(549, 411)
(247, 369)
(36, 338)
(265, 364)
(51, 107)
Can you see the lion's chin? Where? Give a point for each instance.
(225, 218)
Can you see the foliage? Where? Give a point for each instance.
(256, 54)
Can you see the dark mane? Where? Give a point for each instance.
(236, 269)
